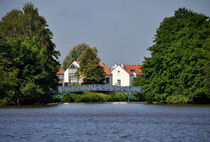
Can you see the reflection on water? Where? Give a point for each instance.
(106, 122)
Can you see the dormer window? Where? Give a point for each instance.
(132, 71)
(73, 67)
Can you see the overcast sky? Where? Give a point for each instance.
(122, 30)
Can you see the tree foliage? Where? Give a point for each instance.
(90, 71)
(74, 54)
(28, 55)
(180, 59)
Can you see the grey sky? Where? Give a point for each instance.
(122, 30)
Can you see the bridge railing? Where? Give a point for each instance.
(98, 87)
(127, 91)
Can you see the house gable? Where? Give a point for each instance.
(120, 77)
(75, 64)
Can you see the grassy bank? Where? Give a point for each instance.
(99, 97)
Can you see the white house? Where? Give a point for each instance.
(123, 75)
(69, 74)
(70, 78)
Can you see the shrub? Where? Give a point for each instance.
(177, 99)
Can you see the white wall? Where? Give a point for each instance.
(66, 76)
(120, 74)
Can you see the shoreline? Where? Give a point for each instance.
(114, 103)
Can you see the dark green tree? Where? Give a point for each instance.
(176, 69)
(207, 69)
(8, 74)
(90, 71)
(32, 57)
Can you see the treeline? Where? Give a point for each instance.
(178, 70)
(28, 63)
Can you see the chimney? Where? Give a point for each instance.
(114, 67)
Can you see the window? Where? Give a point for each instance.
(73, 67)
(119, 82)
(107, 80)
(73, 80)
(132, 71)
(118, 73)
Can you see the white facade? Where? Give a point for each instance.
(121, 77)
(69, 74)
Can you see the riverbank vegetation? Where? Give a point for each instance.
(99, 97)
(178, 69)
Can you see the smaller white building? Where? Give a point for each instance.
(60, 76)
(123, 75)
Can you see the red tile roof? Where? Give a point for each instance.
(136, 68)
(106, 70)
(60, 72)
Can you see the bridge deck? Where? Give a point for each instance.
(127, 91)
(98, 87)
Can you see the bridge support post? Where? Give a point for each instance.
(128, 94)
(128, 98)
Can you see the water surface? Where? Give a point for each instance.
(106, 122)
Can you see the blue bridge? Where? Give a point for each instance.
(127, 91)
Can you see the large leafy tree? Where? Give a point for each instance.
(32, 63)
(90, 71)
(179, 59)
(74, 54)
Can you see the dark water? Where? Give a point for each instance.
(106, 122)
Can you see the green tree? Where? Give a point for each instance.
(90, 71)
(178, 60)
(74, 54)
(32, 57)
(207, 69)
(8, 73)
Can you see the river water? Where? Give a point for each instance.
(106, 122)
